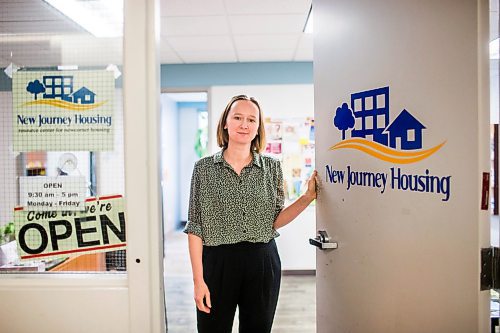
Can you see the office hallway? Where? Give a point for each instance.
(296, 312)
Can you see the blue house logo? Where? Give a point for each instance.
(83, 95)
(407, 130)
(57, 90)
(372, 133)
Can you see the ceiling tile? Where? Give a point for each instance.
(303, 54)
(267, 24)
(208, 57)
(167, 55)
(19, 51)
(35, 16)
(265, 55)
(306, 41)
(192, 31)
(88, 51)
(43, 59)
(28, 11)
(19, 27)
(266, 42)
(200, 43)
(194, 26)
(192, 7)
(267, 7)
(167, 59)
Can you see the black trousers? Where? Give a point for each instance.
(247, 275)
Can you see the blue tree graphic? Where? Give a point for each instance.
(344, 119)
(35, 87)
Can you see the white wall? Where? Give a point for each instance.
(170, 166)
(494, 91)
(277, 101)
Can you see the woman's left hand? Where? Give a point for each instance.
(312, 185)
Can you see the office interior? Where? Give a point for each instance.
(208, 53)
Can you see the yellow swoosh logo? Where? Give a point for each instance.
(65, 105)
(385, 153)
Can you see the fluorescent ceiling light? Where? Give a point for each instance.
(102, 18)
(494, 53)
(308, 27)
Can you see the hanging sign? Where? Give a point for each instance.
(61, 111)
(99, 228)
(53, 193)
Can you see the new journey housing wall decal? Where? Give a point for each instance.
(400, 142)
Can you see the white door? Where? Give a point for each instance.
(408, 223)
(88, 292)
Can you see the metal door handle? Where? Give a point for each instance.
(323, 241)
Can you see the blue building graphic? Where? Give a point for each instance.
(61, 87)
(84, 95)
(370, 110)
(406, 129)
(58, 87)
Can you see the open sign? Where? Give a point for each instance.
(99, 228)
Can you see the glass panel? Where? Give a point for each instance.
(61, 136)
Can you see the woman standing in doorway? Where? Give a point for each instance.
(236, 206)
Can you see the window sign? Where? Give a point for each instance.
(48, 234)
(61, 111)
(53, 193)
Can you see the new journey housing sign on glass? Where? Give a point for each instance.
(63, 110)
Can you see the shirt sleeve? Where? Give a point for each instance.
(193, 225)
(280, 191)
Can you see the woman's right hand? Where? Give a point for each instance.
(202, 296)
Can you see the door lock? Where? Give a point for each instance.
(323, 241)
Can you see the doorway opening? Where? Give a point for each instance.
(184, 140)
(290, 138)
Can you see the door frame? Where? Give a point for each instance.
(131, 302)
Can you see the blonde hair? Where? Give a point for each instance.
(258, 143)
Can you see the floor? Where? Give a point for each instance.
(296, 312)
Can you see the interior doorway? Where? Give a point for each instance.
(184, 140)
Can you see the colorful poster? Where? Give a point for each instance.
(291, 140)
(63, 111)
(99, 228)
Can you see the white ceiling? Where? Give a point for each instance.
(234, 31)
(32, 33)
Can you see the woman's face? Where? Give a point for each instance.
(242, 122)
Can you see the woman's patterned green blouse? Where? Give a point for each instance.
(227, 208)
